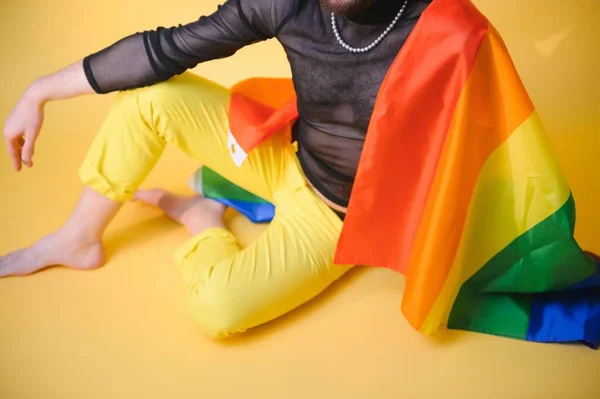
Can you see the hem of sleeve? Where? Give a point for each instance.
(89, 75)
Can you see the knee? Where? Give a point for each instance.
(218, 314)
(184, 86)
(149, 98)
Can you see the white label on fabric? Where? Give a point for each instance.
(195, 182)
(236, 152)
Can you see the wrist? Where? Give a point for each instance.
(37, 92)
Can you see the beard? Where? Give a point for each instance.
(346, 8)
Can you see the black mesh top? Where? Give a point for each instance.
(336, 89)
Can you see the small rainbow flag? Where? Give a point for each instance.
(210, 184)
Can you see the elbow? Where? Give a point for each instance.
(164, 56)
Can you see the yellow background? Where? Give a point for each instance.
(122, 331)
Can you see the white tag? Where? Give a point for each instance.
(195, 182)
(236, 152)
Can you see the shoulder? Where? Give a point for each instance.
(267, 16)
(460, 15)
(417, 7)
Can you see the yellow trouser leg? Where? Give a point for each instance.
(188, 112)
(230, 289)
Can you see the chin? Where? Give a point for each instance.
(345, 7)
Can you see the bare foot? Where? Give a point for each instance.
(196, 213)
(65, 247)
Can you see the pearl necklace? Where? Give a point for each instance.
(376, 42)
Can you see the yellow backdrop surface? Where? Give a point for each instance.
(123, 332)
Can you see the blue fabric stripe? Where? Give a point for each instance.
(257, 212)
(572, 315)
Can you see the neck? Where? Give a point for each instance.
(380, 12)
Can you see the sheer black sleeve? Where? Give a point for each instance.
(145, 58)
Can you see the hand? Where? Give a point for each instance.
(22, 129)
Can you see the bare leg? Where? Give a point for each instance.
(78, 244)
(129, 148)
(196, 213)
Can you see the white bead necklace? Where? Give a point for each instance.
(376, 42)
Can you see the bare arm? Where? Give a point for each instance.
(25, 121)
(66, 83)
(143, 59)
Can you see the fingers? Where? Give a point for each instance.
(28, 149)
(21, 150)
(14, 151)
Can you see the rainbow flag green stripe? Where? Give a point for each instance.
(498, 298)
(216, 186)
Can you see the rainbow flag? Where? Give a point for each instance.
(457, 188)
(478, 217)
(210, 184)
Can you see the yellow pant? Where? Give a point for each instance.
(230, 289)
